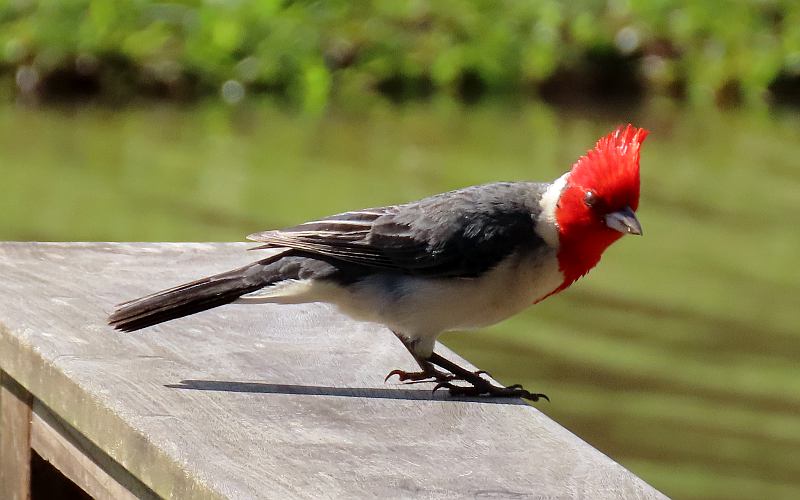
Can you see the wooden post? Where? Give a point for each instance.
(15, 440)
(78, 460)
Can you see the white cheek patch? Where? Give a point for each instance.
(546, 224)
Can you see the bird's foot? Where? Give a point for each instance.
(479, 386)
(431, 375)
(488, 389)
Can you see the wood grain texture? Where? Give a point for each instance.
(264, 401)
(15, 449)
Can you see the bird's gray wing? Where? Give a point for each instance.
(459, 233)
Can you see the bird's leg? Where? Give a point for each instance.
(428, 372)
(480, 386)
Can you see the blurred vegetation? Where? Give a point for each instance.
(311, 51)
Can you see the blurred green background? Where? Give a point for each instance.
(677, 356)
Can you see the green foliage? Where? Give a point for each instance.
(310, 50)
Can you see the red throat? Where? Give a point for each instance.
(610, 172)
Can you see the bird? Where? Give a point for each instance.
(459, 260)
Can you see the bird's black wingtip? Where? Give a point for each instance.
(120, 327)
(121, 323)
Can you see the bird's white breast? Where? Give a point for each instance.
(421, 308)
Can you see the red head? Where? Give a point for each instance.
(598, 202)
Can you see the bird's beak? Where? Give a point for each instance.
(624, 221)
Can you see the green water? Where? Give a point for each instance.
(678, 356)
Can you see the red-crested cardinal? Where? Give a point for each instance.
(458, 260)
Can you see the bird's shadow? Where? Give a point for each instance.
(348, 392)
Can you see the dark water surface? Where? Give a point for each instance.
(679, 355)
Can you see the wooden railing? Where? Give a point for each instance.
(245, 401)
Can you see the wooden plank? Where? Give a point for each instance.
(15, 450)
(81, 461)
(264, 401)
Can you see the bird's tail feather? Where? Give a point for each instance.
(200, 295)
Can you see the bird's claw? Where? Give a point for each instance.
(400, 374)
(415, 377)
(444, 385)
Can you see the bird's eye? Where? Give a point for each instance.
(590, 198)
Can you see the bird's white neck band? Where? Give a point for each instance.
(546, 223)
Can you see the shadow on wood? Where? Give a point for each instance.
(349, 392)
